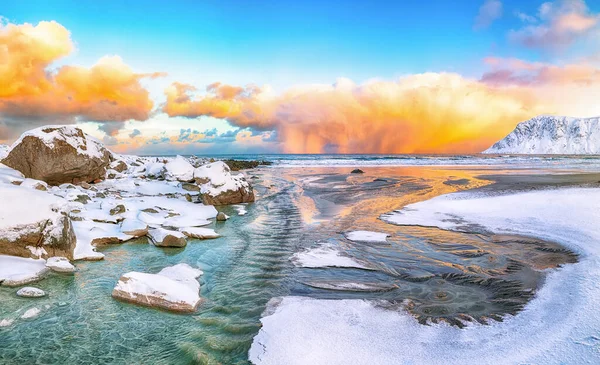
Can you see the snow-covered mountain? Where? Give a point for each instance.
(548, 134)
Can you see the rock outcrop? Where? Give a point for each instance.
(166, 238)
(220, 187)
(174, 288)
(59, 154)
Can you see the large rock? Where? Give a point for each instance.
(165, 238)
(174, 288)
(33, 224)
(179, 169)
(220, 187)
(59, 154)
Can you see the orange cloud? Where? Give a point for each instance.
(519, 72)
(108, 91)
(425, 113)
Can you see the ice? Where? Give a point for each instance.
(325, 255)
(366, 236)
(559, 326)
(16, 271)
(240, 209)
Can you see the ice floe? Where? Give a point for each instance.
(366, 236)
(324, 255)
(199, 232)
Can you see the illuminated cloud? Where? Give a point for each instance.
(433, 112)
(559, 24)
(519, 72)
(33, 92)
(488, 13)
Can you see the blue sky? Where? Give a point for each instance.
(278, 45)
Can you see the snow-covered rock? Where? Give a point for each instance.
(134, 227)
(3, 150)
(200, 233)
(17, 271)
(59, 154)
(34, 184)
(92, 234)
(552, 135)
(60, 264)
(31, 313)
(165, 238)
(324, 255)
(220, 187)
(179, 169)
(31, 292)
(32, 218)
(174, 288)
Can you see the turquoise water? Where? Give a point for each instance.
(442, 275)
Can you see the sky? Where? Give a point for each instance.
(218, 77)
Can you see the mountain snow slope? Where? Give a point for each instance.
(548, 134)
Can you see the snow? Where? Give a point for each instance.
(89, 233)
(4, 151)
(15, 271)
(22, 206)
(86, 145)
(59, 264)
(185, 221)
(155, 169)
(366, 236)
(179, 169)
(324, 255)
(216, 178)
(559, 326)
(10, 176)
(200, 233)
(133, 226)
(552, 135)
(31, 313)
(161, 237)
(34, 184)
(6, 322)
(174, 288)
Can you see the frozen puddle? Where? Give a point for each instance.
(560, 325)
(325, 255)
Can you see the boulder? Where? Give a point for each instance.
(33, 223)
(357, 171)
(200, 233)
(60, 264)
(31, 292)
(119, 165)
(165, 238)
(220, 187)
(221, 217)
(59, 154)
(134, 227)
(174, 288)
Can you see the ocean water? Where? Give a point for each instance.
(435, 275)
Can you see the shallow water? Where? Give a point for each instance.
(434, 274)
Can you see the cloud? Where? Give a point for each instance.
(490, 11)
(109, 91)
(110, 140)
(560, 24)
(432, 112)
(135, 133)
(518, 72)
